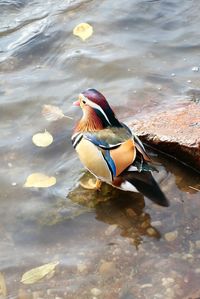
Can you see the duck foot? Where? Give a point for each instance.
(90, 185)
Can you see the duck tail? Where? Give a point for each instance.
(145, 183)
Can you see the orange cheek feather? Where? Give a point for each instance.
(123, 156)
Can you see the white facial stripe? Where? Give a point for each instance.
(94, 105)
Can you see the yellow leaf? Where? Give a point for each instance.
(52, 113)
(83, 30)
(38, 273)
(3, 289)
(39, 180)
(42, 139)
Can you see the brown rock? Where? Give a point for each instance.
(175, 131)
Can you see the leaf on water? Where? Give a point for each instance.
(39, 180)
(83, 30)
(38, 273)
(52, 113)
(42, 139)
(3, 289)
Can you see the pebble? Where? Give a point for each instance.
(110, 229)
(36, 295)
(170, 292)
(186, 280)
(178, 290)
(49, 292)
(81, 267)
(152, 232)
(107, 268)
(187, 256)
(95, 292)
(195, 69)
(173, 74)
(156, 223)
(146, 285)
(131, 212)
(158, 296)
(14, 184)
(116, 251)
(145, 224)
(197, 243)
(171, 236)
(23, 294)
(167, 281)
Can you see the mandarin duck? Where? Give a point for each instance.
(110, 151)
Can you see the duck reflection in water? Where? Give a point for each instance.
(123, 210)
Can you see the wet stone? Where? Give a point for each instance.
(145, 224)
(110, 229)
(146, 285)
(23, 294)
(171, 236)
(107, 268)
(175, 131)
(197, 243)
(95, 292)
(131, 213)
(81, 267)
(36, 295)
(156, 223)
(166, 281)
(195, 69)
(152, 232)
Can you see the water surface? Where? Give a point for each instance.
(142, 55)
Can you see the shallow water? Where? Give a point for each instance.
(143, 55)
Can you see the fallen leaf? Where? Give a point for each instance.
(38, 273)
(52, 113)
(42, 139)
(83, 30)
(3, 289)
(39, 180)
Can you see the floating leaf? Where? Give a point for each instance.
(52, 113)
(39, 180)
(42, 139)
(38, 273)
(3, 289)
(83, 30)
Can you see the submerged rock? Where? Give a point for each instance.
(175, 131)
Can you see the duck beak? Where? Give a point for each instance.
(76, 103)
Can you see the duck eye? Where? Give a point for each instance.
(84, 102)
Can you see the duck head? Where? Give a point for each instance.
(97, 113)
